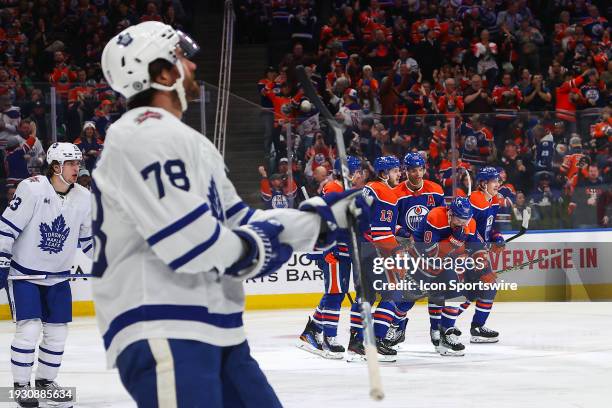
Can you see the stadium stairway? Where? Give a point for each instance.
(244, 139)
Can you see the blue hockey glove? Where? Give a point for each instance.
(497, 238)
(265, 253)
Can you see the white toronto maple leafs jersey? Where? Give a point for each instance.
(41, 230)
(163, 219)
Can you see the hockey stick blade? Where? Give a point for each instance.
(524, 224)
(376, 390)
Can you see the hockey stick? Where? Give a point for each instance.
(525, 264)
(50, 275)
(376, 391)
(524, 225)
(305, 193)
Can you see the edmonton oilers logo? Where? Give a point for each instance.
(279, 201)
(415, 215)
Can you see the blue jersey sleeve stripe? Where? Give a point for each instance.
(247, 217)
(147, 313)
(178, 224)
(88, 248)
(85, 239)
(197, 250)
(235, 209)
(7, 234)
(6, 254)
(10, 224)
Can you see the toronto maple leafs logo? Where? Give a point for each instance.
(215, 202)
(125, 39)
(52, 237)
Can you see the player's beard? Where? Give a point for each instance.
(416, 182)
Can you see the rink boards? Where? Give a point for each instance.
(580, 271)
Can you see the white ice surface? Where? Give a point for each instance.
(550, 355)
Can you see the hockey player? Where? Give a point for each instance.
(416, 198)
(319, 336)
(174, 241)
(485, 202)
(444, 233)
(381, 235)
(39, 233)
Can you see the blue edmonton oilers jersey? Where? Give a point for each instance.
(414, 205)
(485, 212)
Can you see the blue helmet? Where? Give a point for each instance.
(460, 207)
(354, 164)
(487, 173)
(386, 163)
(412, 160)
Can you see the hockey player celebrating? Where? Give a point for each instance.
(39, 233)
(174, 241)
(444, 233)
(319, 336)
(485, 202)
(416, 197)
(381, 235)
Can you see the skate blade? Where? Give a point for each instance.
(52, 404)
(352, 357)
(450, 353)
(386, 359)
(307, 347)
(330, 355)
(476, 339)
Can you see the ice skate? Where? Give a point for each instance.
(450, 344)
(311, 340)
(482, 334)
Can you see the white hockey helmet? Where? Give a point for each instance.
(126, 58)
(62, 152)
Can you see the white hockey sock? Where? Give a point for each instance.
(23, 348)
(51, 350)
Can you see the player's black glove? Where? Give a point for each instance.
(265, 253)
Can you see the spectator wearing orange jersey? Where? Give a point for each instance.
(274, 190)
(506, 99)
(451, 103)
(575, 164)
(62, 76)
(567, 97)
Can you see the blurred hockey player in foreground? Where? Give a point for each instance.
(174, 241)
(39, 233)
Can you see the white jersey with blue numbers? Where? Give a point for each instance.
(40, 230)
(163, 218)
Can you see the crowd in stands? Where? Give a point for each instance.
(58, 44)
(521, 85)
